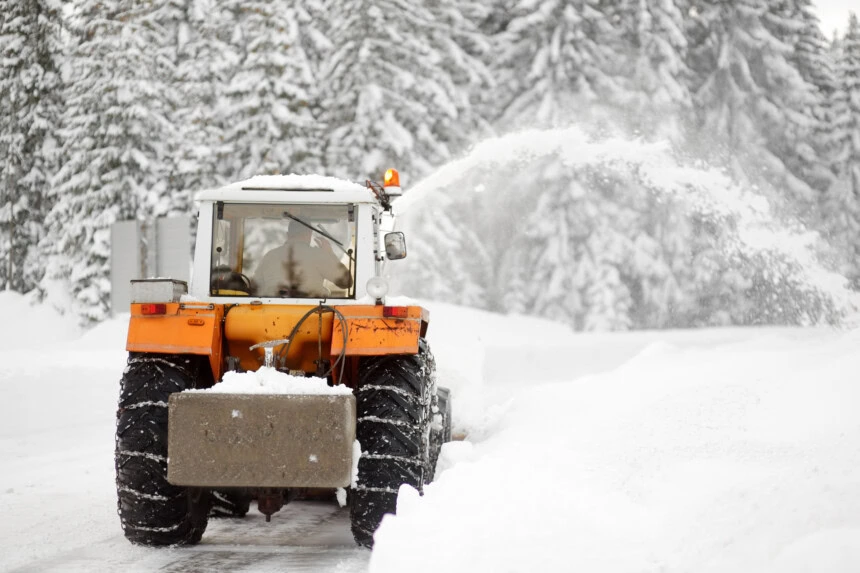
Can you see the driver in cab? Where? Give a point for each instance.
(297, 268)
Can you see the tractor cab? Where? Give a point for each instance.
(294, 239)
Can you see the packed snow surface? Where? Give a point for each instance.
(710, 450)
(270, 381)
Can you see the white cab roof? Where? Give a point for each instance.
(291, 189)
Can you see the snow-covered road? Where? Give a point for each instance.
(57, 491)
(712, 450)
(303, 537)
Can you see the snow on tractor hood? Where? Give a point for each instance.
(315, 188)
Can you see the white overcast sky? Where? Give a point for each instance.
(834, 15)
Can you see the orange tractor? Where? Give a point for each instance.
(288, 281)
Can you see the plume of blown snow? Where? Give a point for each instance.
(707, 190)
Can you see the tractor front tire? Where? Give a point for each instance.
(152, 511)
(394, 400)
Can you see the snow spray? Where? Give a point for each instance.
(749, 228)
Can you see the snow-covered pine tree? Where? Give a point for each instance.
(488, 18)
(550, 265)
(465, 78)
(842, 204)
(204, 64)
(812, 55)
(266, 110)
(493, 16)
(655, 266)
(578, 240)
(315, 21)
(813, 60)
(848, 108)
(164, 24)
(30, 104)
(800, 100)
(388, 97)
(116, 133)
(752, 103)
(558, 60)
(657, 68)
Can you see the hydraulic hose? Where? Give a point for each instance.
(320, 310)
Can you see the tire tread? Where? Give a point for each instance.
(152, 511)
(394, 409)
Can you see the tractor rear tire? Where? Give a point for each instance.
(394, 400)
(152, 511)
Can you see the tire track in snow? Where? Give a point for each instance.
(302, 537)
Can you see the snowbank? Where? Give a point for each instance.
(57, 484)
(29, 325)
(742, 455)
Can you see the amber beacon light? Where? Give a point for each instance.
(392, 178)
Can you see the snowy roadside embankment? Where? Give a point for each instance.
(740, 455)
(56, 433)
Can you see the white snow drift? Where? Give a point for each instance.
(706, 451)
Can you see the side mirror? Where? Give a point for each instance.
(395, 246)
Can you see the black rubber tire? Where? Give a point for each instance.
(440, 428)
(394, 400)
(228, 503)
(152, 511)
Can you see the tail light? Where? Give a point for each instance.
(395, 311)
(153, 309)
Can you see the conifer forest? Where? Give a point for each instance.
(118, 109)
